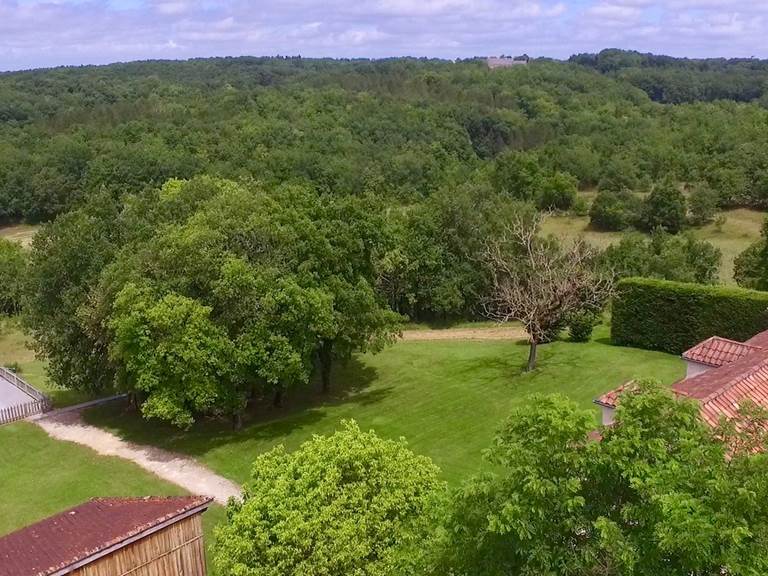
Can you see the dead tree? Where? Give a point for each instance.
(540, 283)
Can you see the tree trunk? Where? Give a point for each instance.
(532, 356)
(277, 399)
(326, 361)
(237, 420)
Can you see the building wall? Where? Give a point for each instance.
(694, 368)
(177, 550)
(607, 415)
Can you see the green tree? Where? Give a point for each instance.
(558, 192)
(664, 208)
(661, 493)
(350, 503)
(172, 353)
(614, 210)
(13, 265)
(750, 268)
(670, 257)
(518, 175)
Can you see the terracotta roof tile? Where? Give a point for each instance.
(718, 351)
(760, 339)
(74, 535)
(611, 399)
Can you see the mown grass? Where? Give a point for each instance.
(15, 349)
(40, 476)
(447, 398)
(740, 229)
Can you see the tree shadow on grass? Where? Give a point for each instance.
(301, 409)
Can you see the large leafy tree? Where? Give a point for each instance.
(661, 493)
(350, 503)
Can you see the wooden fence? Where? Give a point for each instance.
(21, 411)
(40, 402)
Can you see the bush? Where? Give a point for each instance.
(673, 316)
(614, 210)
(580, 326)
(558, 192)
(682, 258)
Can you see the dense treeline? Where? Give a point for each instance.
(402, 129)
(676, 80)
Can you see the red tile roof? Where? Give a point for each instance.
(611, 399)
(82, 534)
(718, 351)
(760, 339)
(739, 372)
(721, 390)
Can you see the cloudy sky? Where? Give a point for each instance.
(35, 33)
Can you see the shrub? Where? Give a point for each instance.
(581, 324)
(614, 210)
(558, 192)
(673, 316)
(682, 257)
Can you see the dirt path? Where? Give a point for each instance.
(180, 470)
(507, 333)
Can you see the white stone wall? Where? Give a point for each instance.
(607, 415)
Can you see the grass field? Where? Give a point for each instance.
(15, 349)
(40, 476)
(741, 228)
(21, 233)
(446, 398)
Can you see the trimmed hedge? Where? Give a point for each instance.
(673, 316)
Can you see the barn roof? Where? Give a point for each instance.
(80, 535)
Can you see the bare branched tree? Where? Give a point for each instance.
(540, 283)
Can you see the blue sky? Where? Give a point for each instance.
(36, 33)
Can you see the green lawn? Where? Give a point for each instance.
(741, 228)
(40, 476)
(446, 398)
(14, 349)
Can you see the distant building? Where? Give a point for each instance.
(112, 537)
(506, 61)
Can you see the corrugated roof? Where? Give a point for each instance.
(75, 535)
(717, 351)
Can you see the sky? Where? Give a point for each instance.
(35, 33)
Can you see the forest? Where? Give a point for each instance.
(341, 198)
(234, 246)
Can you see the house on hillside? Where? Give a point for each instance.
(720, 375)
(112, 537)
(494, 62)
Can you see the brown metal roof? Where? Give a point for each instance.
(84, 533)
